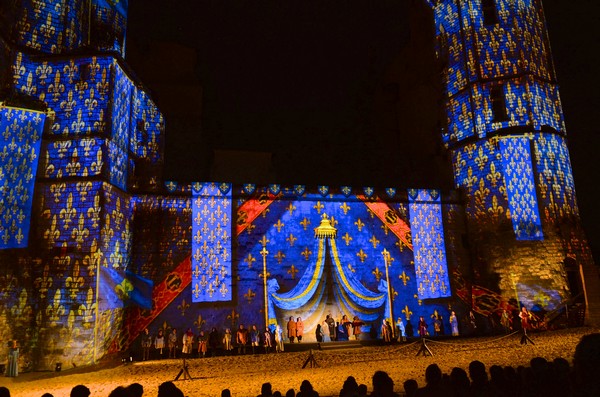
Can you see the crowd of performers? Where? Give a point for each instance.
(168, 343)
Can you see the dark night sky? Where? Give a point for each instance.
(288, 59)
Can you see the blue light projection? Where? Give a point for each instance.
(513, 52)
(211, 242)
(520, 188)
(20, 139)
(555, 176)
(431, 267)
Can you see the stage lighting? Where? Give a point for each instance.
(58, 367)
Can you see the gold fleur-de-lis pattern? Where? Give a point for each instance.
(211, 244)
(427, 228)
(520, 188)
(20, 139)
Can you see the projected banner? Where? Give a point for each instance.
(427, 228)
(520, 188)
(211, 242)
(20, 139)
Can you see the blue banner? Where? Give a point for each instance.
(119, 288)
(20, 138)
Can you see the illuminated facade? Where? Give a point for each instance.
(81, 154)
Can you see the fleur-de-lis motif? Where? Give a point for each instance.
(404, 277)
(377, 273)
(319, 207)
(306, 253)
(291, 240)
(199, 322)
(279, 225)
(292, 272)
(279, 256)
(250, 260)
(249, 296)
(305, 222)
(103, 85)
(233, 317)
(362, 255)
(29, 88)
(68, 213)
(91, 103)
(56, 88)
(359, 224)
(183, 307)
(345, 207)
(407, 312)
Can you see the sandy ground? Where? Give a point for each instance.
(244, 375)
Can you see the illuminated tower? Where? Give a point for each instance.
(506, 134)
(101, 142)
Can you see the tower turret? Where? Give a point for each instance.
(506, 134)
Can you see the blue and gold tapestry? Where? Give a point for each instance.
(20, 140)
(427, 228)
(211, 242)
(520, 188)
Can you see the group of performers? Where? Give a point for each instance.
(330, 330)
(167, 344)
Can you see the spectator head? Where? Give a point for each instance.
(168, 389)
(80, 391)
(225, 393)
(433, 374)
(306, 388)
(382, 383)
(362, 390)
(120, 391)
(410, 387)
(459, 379)
(4, 392)
(586, 360)
(135, 389)
(47, 395)
(265, 390)
(477, 372)
(290, 393)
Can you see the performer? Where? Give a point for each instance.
(172, 342)
(159, 343)
(422, 327)
(331, 326)
(342, 334)
(254, 338)
(146, 344)
(187, 341)
(241, 338)
(357, 327)
(505, 321)
(347, 325)
(319, 333)
(291, 329)
(385, 331)
(227, 342)
(525, 317)
(401, 330)
(437, 325)
(267, 340)
(279, 337)
(454, 323)
(213, 341)
(299, 329)
(202, 344)
(13, 359)
(472, 321)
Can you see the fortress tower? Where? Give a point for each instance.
(95, 136)
(505, 131)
